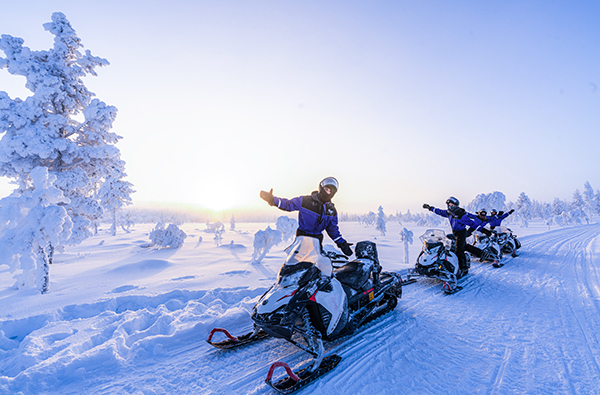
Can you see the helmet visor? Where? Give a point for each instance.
(330, 182)
(452, 200)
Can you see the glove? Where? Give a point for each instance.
(268, 197)
(485, 232)
(427, 207)
(345, 247)
(500, 213)
(512, 210)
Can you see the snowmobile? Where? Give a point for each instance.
(311, 303)
(490, 248)
(438, 260)
(507, 240)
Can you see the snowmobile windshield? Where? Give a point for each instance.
(503, 229)
(296, 275)
(308, 249)
(432, 236)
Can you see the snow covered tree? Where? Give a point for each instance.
(60, 126)
(369, 219)
(578, 199)
(524, 207)
(113, 195)
(170, 237)
(215, 227)
(406, 236)
(33, 222)
(408, 217)
(287, 226)
(232, 223)
(264, 240)
(577, 209)
(596, 204)
(495, 200)
(588, 198)
(381, 221)
(588, 192)
(558, 207)
(428, 220)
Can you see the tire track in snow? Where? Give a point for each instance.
(499, 336)
(562, 311)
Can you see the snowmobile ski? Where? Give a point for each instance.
(296, 380)
(233, 341)
(497, 264)
(449, 290)
(407, 281)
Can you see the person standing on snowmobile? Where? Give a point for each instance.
(496, 218)
(316, 213)
(459, 220)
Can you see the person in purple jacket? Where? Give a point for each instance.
(459, 221)
(496, 218)
(480, 220)
(316, 213)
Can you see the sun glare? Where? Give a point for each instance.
(223, 200)
(217, 204)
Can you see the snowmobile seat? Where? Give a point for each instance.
(355, 273)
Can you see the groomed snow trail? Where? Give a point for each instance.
(528, 327)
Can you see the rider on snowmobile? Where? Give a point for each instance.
(496, 218)
(316, 212)
(480, 220)
(459, 220)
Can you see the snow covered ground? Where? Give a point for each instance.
(122, 319)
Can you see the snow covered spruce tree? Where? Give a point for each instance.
(43, 129)
(32, 222)
(60, 127)
(114, 194)
(495, 200)
(381, 221)
(588, 198)
(524, 208)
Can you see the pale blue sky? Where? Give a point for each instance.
(404, 102)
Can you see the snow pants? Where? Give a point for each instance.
(461, 246)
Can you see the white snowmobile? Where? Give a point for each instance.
(311, 302)
(438, 260)
(490, 248)
(507, 240)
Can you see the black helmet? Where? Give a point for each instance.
(452, 200)
(493, 211)
(482, 212)
(330, 182)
